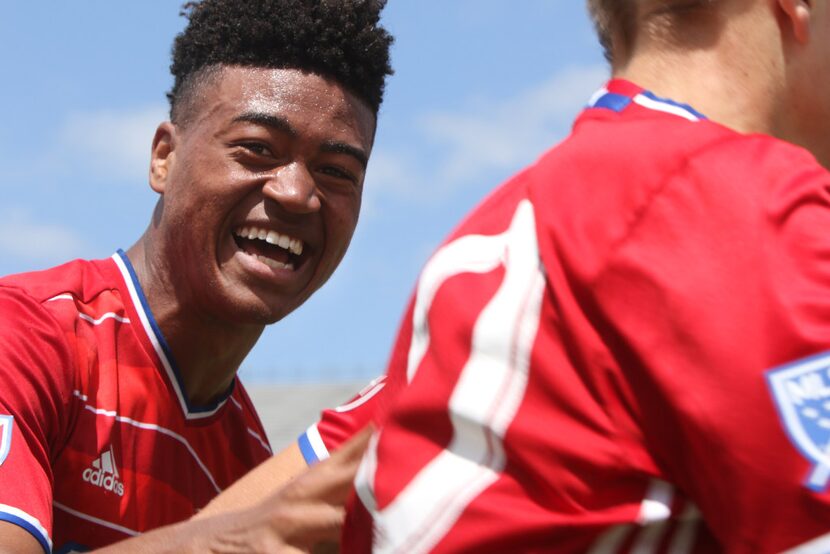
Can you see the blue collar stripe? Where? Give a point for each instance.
(686, 107)
(618, 102)
(612, 101)
(166, 349)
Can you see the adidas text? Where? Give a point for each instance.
(105, 481)
(104, 473)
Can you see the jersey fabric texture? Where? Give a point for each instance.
(99, 442)
(623, 349)
(337, 425)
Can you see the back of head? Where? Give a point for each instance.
(337, 39)
(620, 23)
(614, 23)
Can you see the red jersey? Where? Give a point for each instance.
(623, 349)
(98, 441)
(337, 425)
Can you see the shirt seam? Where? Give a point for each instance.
(642, 213)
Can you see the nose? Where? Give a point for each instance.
(292, 187)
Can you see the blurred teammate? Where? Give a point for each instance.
(119, 406)
(626, 348)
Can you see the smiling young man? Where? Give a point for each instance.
(120, 410)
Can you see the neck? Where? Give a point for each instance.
(207, 351)
(710, 87)
(726, 68)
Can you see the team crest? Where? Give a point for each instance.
(802, 395)
(6, 422)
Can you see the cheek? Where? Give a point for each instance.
(205, 190)
(341, 220)
(344, 219)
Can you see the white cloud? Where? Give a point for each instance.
(388, 173)
(24, 238)
(485, 137)
(448, 150)
(513, 132)
(114, 144)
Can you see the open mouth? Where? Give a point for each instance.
(275, 250)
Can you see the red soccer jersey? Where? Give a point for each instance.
(339, 424)
(97, 439)
(623, 349)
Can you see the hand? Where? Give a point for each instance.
(305, 515)
(309, 511)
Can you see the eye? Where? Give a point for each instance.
(256, 148)
(254, 154)
(339, 173)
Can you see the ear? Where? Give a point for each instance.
(162, 156)
(797, 15)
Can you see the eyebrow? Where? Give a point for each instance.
(343, 148)
(267, 120)
(282, 124)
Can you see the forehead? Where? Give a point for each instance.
(309, 102)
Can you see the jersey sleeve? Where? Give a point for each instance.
(338, 424)
(35, 382)
(716, 311)
(370, 405)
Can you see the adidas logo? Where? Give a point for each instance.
(104, 474)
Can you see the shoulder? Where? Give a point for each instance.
(19, 310)
(79, 278)
(39, 312)
(77, 289)
(612, 178)
(756, 156)
(37, 361)
(31, 336)
(653, 146)
(750, 182)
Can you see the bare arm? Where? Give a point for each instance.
(16, 540)
(341, 423)
(304, 514)
(259, 483)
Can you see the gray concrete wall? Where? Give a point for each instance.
(287, 410)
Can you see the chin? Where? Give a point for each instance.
(261, 312)
(263, 315)
(246, 312)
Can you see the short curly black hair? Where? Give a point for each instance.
(338, 39)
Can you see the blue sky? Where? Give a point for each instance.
(481, 88)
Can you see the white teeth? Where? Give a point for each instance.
(295, 246)
(274, 264)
